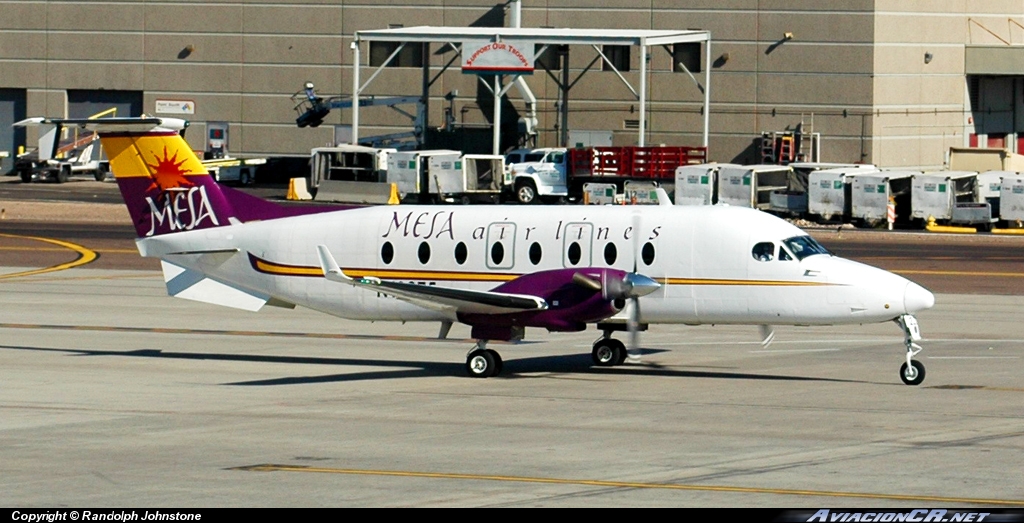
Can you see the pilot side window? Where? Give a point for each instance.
(764, 251)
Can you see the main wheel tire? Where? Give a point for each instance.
(498, 364)
(481, 364)
(623, 354)
(245, 178)
(608, 352)
(913, 374)
(26, 176)
(63, 174)
(526, 193)
(100, 174)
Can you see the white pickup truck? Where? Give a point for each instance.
(537, 174)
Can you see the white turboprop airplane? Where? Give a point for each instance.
(499, 269)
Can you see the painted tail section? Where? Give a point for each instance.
(167, 189)
(164, 184)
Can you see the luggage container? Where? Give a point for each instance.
(352, 163)
(984, 210)
(751, 185)
(803, 170)
(870, 194)
(640, 192)
(409, 170)
(469, 178)
(828, 191)
(599, 193)
(1011, 197)
(934, 194)
(697, 184)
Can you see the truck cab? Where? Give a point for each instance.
(535, 174)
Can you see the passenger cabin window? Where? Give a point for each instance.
(764, 251)
(497, 253)
(575, 253)
(535, 253)
(610, 254)
(647, 253)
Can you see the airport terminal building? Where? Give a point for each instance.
(890, 82)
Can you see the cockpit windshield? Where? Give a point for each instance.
(804, 246)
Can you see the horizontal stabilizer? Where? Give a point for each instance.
(110, 124)
(435, 298)
(196, 286)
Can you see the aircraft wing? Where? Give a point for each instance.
(443, 299)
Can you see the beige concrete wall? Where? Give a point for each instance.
(857, 66)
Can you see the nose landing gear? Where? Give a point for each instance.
(911, 372)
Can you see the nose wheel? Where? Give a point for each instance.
(911, 372)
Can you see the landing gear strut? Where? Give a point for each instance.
(608, 351)
(911, 372)
(482, 362)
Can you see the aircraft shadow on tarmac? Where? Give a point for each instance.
(579, 364)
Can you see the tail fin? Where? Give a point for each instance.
(165, 186)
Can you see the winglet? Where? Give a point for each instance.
(330, 267)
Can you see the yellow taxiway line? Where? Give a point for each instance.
(634, 485)
(84, 256)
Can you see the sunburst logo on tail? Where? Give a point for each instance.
(167, 174)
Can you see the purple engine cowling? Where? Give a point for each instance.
(570, 305)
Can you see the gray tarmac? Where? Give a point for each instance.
(115, 395)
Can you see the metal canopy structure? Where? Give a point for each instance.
(543, 37)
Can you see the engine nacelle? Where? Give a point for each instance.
(571, 304)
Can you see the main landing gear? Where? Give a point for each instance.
(482, 362)
(608, 352)
(911, 372)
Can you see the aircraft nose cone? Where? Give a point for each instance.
(641, 285)
(917, 298)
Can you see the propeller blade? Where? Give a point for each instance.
(636, 241)
(633, 326)
(635, 285)
(767, 335)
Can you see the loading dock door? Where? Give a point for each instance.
(12, 109)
